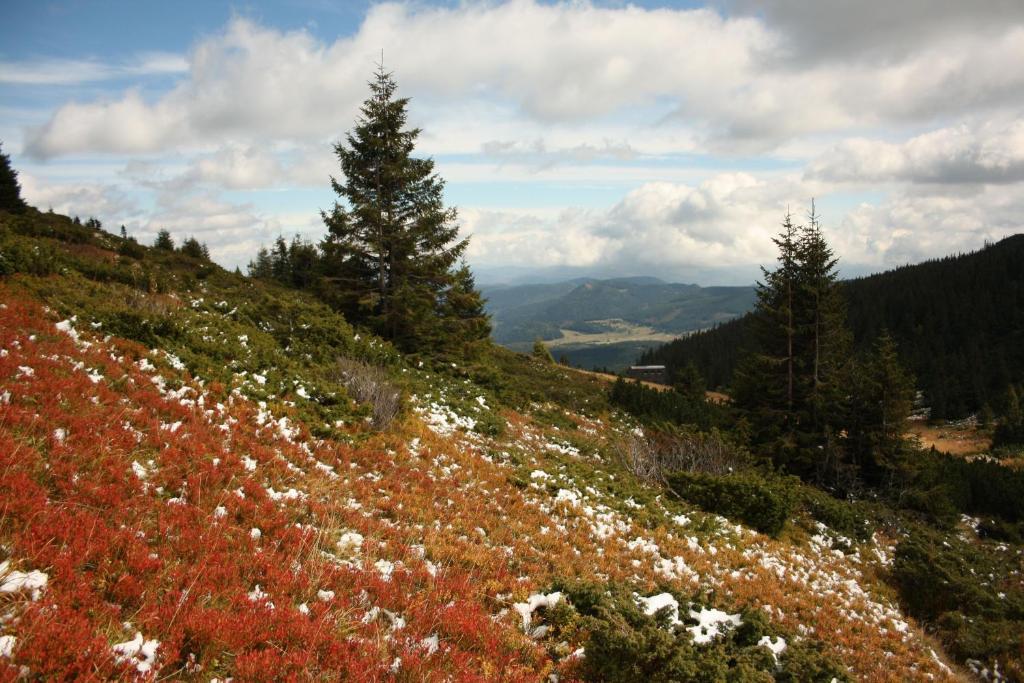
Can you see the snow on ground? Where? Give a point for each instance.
(138, 652)
(534, 603)
(711, 623)
(15, 581)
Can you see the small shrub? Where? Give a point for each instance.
(369, 384)
(651, 456)
(747, 496)
(132, 249)
(541, 352)
(625, 644)
(945, 486)
(848, 518)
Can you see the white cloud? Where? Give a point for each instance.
(990, 153)
(908, 228)
(659, 103)
(876, 30)
(568, 62)
(103, 201)
(728, 220)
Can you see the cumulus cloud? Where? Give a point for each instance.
(876, 30)
(78, 199)
(656, 105)
(727, 220)
(989, 153)
(232, 231)
(537, 153)
(550, 63)
(909, 227)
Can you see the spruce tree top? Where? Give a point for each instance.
(390, 195)
(10, 189)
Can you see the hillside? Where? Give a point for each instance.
(959, 323)
(608, 322)
(206, 476)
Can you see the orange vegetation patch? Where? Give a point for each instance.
(952, 439)
(185, 532)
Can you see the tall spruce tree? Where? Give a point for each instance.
(765, 386)
(791, 386)
(880, 401)
(392, 245)
(466, 324)
(823, 338)
(10, 189)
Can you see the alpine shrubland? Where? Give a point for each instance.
(206, 476)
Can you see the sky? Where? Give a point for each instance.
(575, 138)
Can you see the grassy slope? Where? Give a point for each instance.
(458, 522)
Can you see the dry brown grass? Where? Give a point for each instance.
(954, 440)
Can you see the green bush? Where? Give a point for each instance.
(945, 486)
(129, 247)
(746, 496)
(846, 517)
(967, 592)
(623, 644)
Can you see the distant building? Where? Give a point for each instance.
(648, 373)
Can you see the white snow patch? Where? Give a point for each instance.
(777, 648)
(138, 651)
(14, 581)
(350, 543)
(708, 623)
(430, 644)
(385, 568)
(534, 603)
(656, 602)
(139, 470)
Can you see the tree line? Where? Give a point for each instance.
(958, 323)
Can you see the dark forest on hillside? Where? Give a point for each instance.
(958, 322)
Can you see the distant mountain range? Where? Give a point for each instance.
(608, 323)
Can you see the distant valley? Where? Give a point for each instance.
(608, 323)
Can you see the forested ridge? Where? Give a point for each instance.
(958, 322)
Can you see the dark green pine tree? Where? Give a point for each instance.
(194, 248)
(823, 340)
(280, 261)
(10, 188)
(880, 402)
(1010, 429)
(792, 386)
(689, 383)
(765, 386)
(392, 244)
(163, 241)
(303, 262)
(261, 267)
(467, 326)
